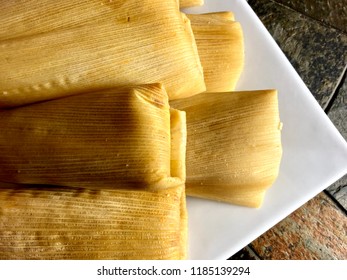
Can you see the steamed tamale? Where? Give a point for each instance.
(30, 17)
(233, 145)
(219, 40)
(75, 223)
(228, 15)
(141, 42)
(225, 15)
(106, 138)
(190, 3)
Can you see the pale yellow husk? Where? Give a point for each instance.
(178, 129)
(190, 3)
(73, 223)
(30, 17)
(233, 145)
(137, 42)
(110, 138)
(228, 15)
(221, 49)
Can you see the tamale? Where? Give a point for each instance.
(150, 43)
(190, 3)
(220, 44)
(106, 138)
(30, 17)
(227, 15)
(38, 222)
(233, 145)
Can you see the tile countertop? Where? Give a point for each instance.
(313, 35)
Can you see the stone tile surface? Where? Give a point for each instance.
(317, 52)
(338, 115)
(331, 12)
(318, 230)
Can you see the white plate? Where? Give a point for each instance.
(314, 153)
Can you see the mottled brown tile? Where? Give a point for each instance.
(331, 12)
(317, 52)
(338, 115)
(244, 254)
(317, 230)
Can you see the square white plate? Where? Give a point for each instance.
(314, 153)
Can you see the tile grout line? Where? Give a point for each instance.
(310, 17)
(342, 77)
(336, 90)
(327, 108)
(250, 247)
(336, 202)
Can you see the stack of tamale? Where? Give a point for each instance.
(110, 113)
(118, 157)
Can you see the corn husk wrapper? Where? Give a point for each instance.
(109, 138)
(30, 17)
(74, 223)
(147, 44)
(190, 3)
(233, 145)
(221, 49)
(226, 15)
(178, 129)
